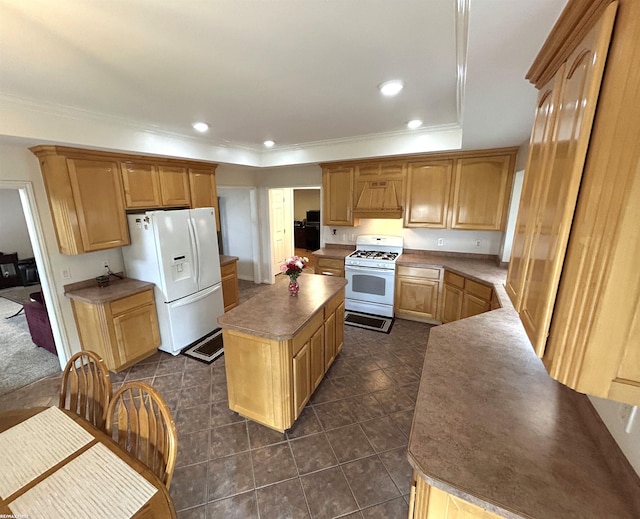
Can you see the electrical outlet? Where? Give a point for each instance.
(440, 242)
(66, 273)
(106, 266)
(624, 411)
(334, 232)
(477, 243)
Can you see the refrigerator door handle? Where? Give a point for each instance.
(194, 251)
(185, 301)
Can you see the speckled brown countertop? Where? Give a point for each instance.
(493, 428)
(225, 260)
(274, 314)
(334, 252)
(117, 289)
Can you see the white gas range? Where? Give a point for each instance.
(370, 271)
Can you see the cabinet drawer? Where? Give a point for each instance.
(419, 272)
(127, 303)
(228, 270)
(331, 263)
(453, 279)
(478, 289)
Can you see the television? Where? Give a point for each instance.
(313, 217)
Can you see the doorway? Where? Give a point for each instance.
(281, 226)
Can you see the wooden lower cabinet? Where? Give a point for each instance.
(270, 381)
(418, 293)
(330, 267)
(230, 292)
(463, 297)
(428, 502)
(122, 332)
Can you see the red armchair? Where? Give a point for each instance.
(38, 322)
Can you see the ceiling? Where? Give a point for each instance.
(303, 73)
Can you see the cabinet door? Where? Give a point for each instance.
(301, 378)
(174, 186)
(317, 357)
(97, 193)
(202, 187)
(427, 196)
(337, 187)
(339, 313)
(474, 305)
(561, 180)
(230, 293)
(451, 303)
(481, 189)
(541, 149)
(417, 297)
(141, 185)
(136, 333)
(330, 340)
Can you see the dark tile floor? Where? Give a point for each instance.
(344, 457)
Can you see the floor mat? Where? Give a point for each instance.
(377, 323)
(207, 349)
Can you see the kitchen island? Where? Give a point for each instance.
(278, 348)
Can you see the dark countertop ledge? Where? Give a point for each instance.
(493, 428)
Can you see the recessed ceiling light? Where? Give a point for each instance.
(269, 144)
(391, 88)
(200, 126)
(414, 123)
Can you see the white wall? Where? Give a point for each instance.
(14, 236)
(426, 239)
(510, 229)
(236, 224)
(305, 200)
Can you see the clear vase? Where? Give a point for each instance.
(294, 287)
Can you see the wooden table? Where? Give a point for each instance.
(158, 506)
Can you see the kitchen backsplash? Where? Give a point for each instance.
(478, 242)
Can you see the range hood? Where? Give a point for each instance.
(378, 199)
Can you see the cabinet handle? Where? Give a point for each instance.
(412, 499)
(328, 274)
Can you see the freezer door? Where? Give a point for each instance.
(206, 238)
(176, 253)
(192, 317)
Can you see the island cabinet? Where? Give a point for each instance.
(278, 348)
(86, 199)
(574, 276)
(418, 293)
(122, 329)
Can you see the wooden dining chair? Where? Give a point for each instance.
(86, 387)
(140, 421)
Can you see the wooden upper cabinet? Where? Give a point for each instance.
(427, 193)
(141, 184)
(337, 187)
(174, 186)
(560, 180)
(541, 148)
(86, 200)
(481, 189)
(379, 190)
(202, 186)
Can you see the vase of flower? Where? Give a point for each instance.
(292, 267)
(294, 286)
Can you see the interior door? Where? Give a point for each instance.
(281, 226)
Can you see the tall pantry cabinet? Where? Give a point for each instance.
(573, 277)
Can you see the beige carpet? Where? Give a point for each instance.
(21, 361)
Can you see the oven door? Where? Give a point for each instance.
(369, 285)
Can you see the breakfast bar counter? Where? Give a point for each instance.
(278, 348)
(494, 435)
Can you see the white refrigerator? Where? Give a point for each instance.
(177, 250)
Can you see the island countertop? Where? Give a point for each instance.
(274, 314)
(491, 427)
